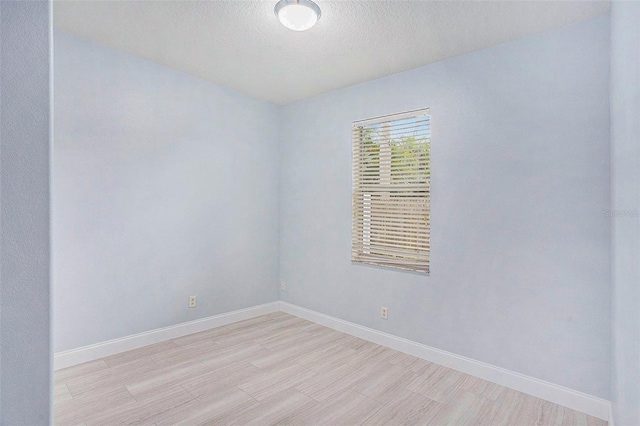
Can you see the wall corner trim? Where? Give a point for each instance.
(610, 419)
(560, 395)
(103, 349)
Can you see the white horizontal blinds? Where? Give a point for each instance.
(391, 191)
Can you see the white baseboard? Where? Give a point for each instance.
(111, 347)
(570, 398)
(560, 395)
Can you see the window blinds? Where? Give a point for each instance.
(391, 191)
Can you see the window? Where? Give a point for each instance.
(391, 191)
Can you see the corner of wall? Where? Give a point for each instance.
(625, 203)
(25, 333)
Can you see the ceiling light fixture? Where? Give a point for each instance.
(297, 15)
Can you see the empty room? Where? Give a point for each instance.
(320, 212)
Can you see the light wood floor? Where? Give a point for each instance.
(279, 369)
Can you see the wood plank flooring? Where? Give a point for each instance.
(280, 369)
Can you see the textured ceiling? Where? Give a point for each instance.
(241, 44)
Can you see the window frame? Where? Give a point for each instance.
(402, 238)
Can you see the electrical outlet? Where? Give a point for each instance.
(283, 286)
(384, 313)
(192, 301)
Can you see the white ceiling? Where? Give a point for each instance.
(241, 44)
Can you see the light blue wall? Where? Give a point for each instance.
(25, 349)
(164, 186)
(625, 197)
(520, 263)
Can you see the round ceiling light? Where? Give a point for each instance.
(297, 15)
